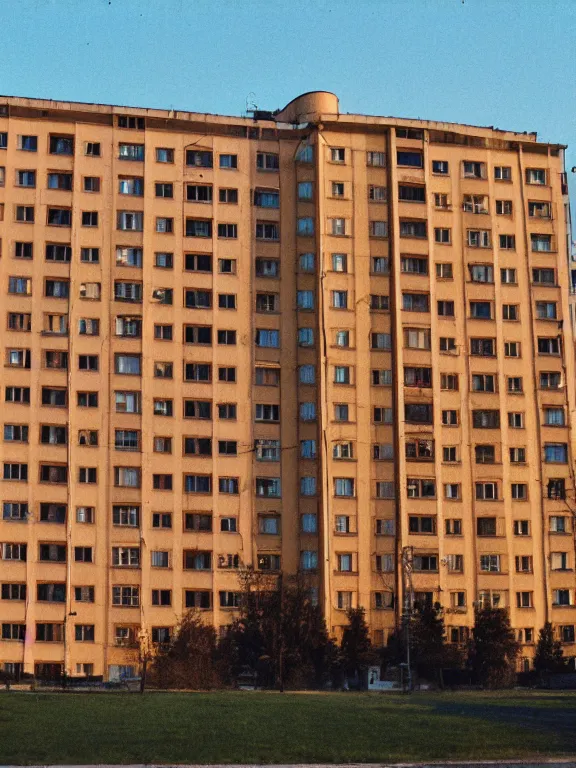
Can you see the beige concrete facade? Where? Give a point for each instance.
(304, 340)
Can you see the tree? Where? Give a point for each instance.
(188, 660)
(356, 647)
(280, 635)
(493, 650)
(549, 656)
(428, 649)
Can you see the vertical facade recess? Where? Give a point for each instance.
(308, 342)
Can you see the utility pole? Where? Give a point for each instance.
(408, 606)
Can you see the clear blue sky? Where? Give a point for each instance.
(507, 63)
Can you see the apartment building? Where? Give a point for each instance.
(296, 340)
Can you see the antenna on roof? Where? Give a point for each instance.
(251, 105)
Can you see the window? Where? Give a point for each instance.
(417, 413)
(413, 265)
(554, 417)
(442, 235)
(556, 453)
(17, 394)
(26, 179)
(486, 491)
(415, 302)
(228, 485)
(267, 267)
(524, 599)
(89, 218)
(378, 228)
(161, 520)
(418, 488)
(502, 173)
(197, 522)
(53, 474)
(229, 231)
(550, 380)
(512, 349)
(307, 262)
(228, 161)
(16, 433)
(377, 194)
(164, 224)
(519, 491)
(161, 597)
(559, 561)
(486, 419)
(478, 238)
(13, 592)
(126, 557)
(380, 265)
(127, 440)
(413, 228)
(517, 455)
(379, 303)
(425, 563)
(197, 483)
(535, 176)
(53, 435)
(419, 450)
(445, 308)
(87, 362)
(421, 524)
(339, 262)
(229, 196)
(267, 161)
(475, 204)
(453, 527)
(159, 559)
(542, 243)
(267, 338)
(267, 231)
(130, 221)
(508, 276)
(337, 227)
(516, 420)
(515, 384)
(164, 260)
(308, 411)
(410, 159)
(61, 145)
(539, 210)
(485, 454)
(305, 153)
(269, 198)
(504, 207)
(52, 553)
(412, 193)
(16, 472)
(305, 337)
(417, 377)
(127, 477)
(507, 242)
(561, 597)
(337, 154)
(510, 312)
(375, 159)
(268, 562)
(449, 452)
(549, 346)
(483, 347)
(544, 277)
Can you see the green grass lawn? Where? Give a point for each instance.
(255, 727)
